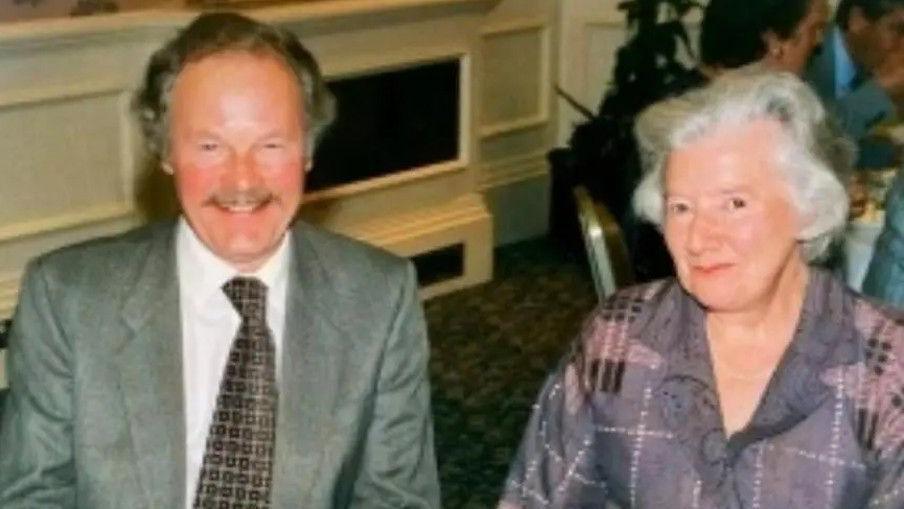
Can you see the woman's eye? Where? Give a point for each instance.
(678, 208)
(737, 203)
(208, 146)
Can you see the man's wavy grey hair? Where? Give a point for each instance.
(217, 32)
(814, 157)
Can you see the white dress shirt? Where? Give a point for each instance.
(209, 324)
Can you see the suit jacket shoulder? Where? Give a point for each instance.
(347, 261)
(111, 248)
(106, 269)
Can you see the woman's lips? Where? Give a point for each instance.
(710, 269)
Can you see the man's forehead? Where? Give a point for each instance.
(238, 53)
(223, 68)
(235, 85)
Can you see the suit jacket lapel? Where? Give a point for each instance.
(309, 376)
(150, 363)
(820, 72)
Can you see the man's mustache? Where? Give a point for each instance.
(253, 197)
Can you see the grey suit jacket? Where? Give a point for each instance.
(95, 415)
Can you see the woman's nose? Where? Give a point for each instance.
(703, 234)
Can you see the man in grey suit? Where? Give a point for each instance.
(859, 73)
(228, 359)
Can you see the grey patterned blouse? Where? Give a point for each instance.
(632, 420)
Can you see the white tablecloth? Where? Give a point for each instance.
(859, 240)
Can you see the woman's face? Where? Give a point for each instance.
(793, 53)
(729, 223)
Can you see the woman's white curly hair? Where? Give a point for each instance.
(814, 156)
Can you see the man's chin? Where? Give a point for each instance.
(246, 255)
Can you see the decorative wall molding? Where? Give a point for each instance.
(513, 170)
(353, 66)
(510, 26)
(89, 88)
(399, 229)
(541, 114)
(37, 97)
(465, 220)
(52, 224)
(395, 179)
(512, 126)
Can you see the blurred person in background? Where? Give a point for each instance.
(860, 72)
(885, 274)
(780, 34)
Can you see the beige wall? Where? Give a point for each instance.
(517, 117)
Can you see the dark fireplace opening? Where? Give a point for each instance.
(390, 122)
(440, 264)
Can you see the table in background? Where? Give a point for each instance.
(864, 228)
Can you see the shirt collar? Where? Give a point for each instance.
(208, 272)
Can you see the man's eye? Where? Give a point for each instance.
(208, 146)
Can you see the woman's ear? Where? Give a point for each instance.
(805, 224)
(166, 167)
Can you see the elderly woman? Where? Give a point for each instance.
(776, 34)
(753, 380)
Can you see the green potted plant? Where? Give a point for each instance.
(601, 153)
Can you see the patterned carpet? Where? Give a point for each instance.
(491, 348)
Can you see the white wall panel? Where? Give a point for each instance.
(63, 156)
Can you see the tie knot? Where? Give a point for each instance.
(248, 295)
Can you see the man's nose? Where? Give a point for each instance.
(243, 173)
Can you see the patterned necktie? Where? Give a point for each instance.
(238, 458)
